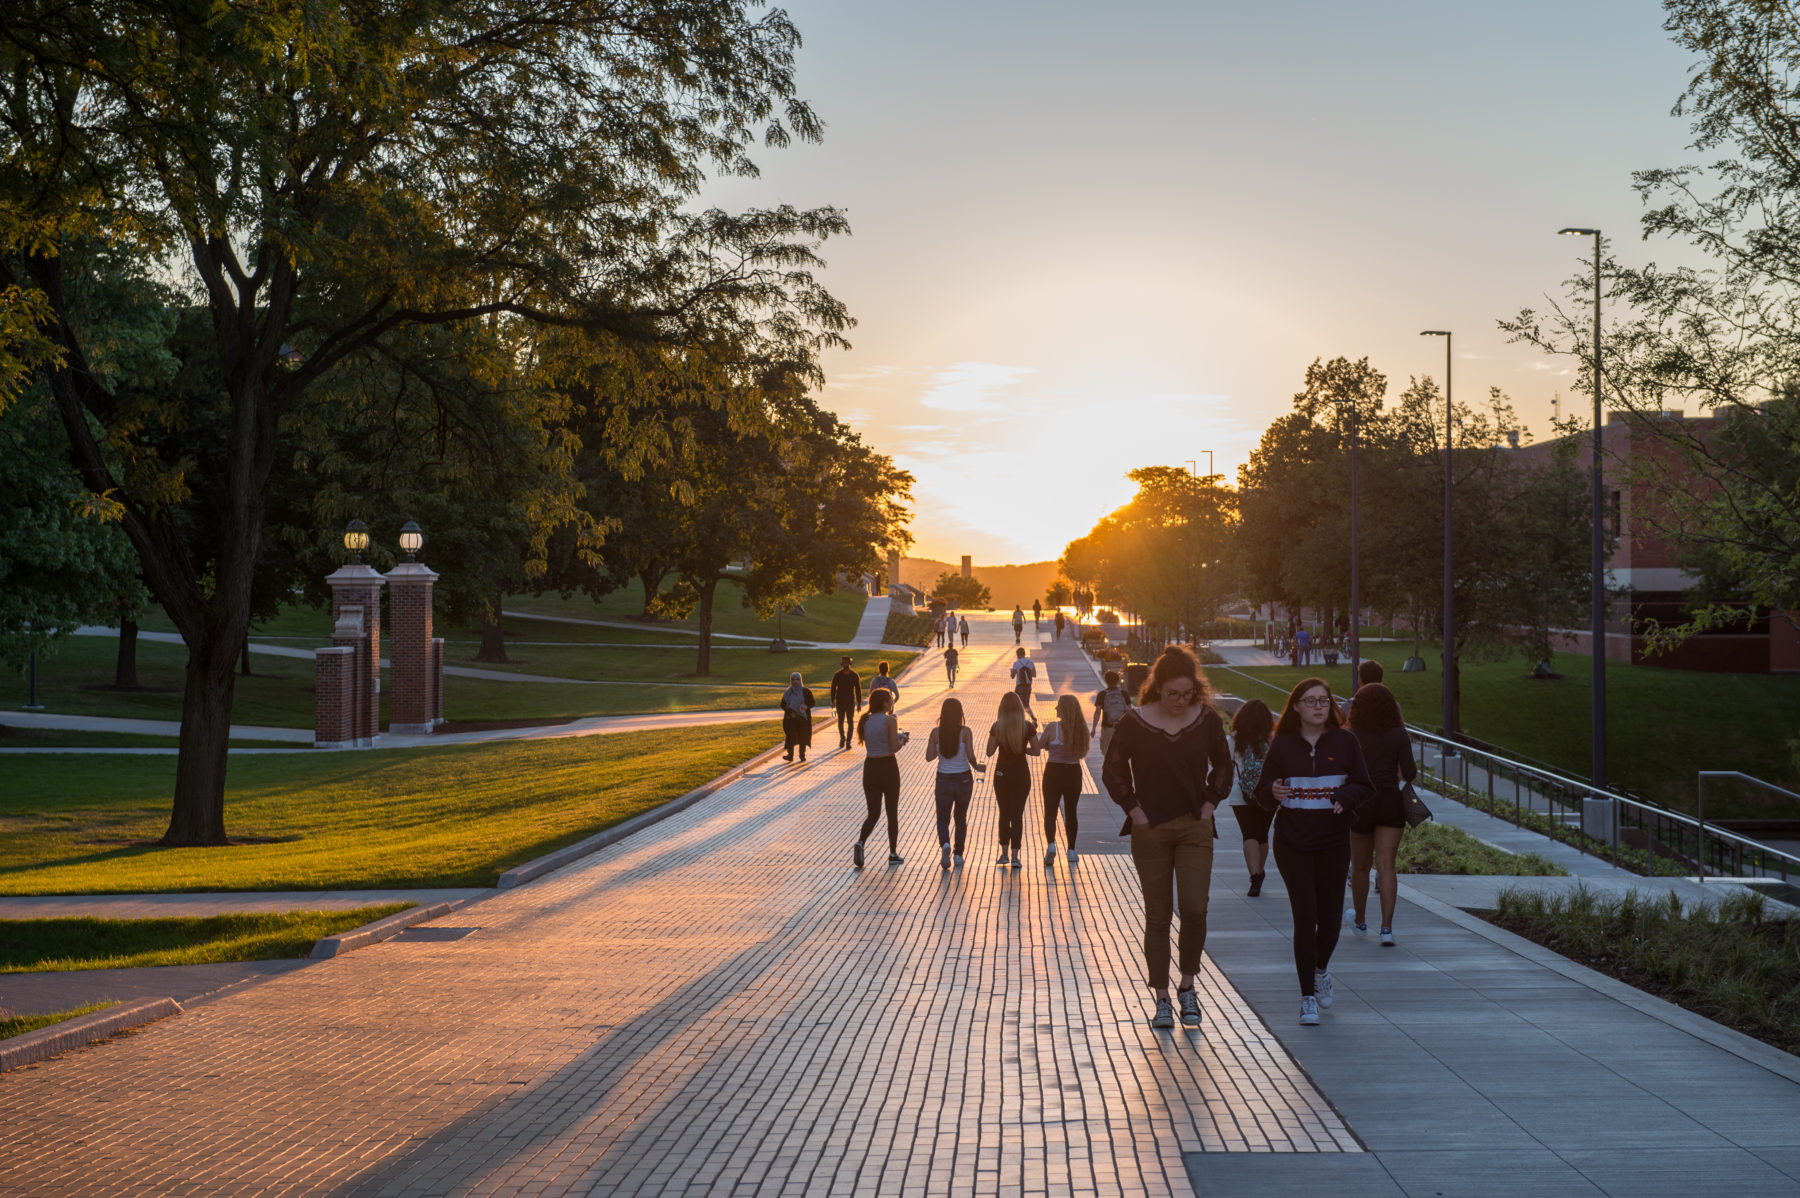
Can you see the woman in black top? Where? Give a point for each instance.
(1168, 767)
(1315, 775)
(1381, 730)
(1014, 738)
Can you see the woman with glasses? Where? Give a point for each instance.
(1315, 779)
(1169, 766)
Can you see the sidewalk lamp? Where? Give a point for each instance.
(356, 539)
(1449, 689)
(412, 539)
(1598, 598)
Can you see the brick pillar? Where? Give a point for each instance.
(437, 680)
(410, 700)
(968, 569)
(356, 623)
(334, 697)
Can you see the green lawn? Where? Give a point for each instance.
(56, 738)
(58, 945)
(828, 617)
(453, 816)
(18, 1025)
(1663, 725)
(1434, 848)
(623, 663)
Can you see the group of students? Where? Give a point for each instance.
(947, 626)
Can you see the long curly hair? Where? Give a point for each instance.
(1252, 728)
(1375, 709)
(1174, 662)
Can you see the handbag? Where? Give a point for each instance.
(1412, 806)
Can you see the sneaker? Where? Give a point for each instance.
(1387, 938)
(896, 859)
(1015, 861)
(957, 857)
(1256, 881)
(1322, 988)
(856, 854)
(1050, 855)
(1309, 1010)
(1004, 859)
(788, 757)
(1072, 856)
(1359, 929)
(1190, 1007)
(1165, 1014)
(944, 857)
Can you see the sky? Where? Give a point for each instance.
(1088, 238)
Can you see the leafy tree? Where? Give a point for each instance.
(958, 591)
(1059, 594)
(325, 181)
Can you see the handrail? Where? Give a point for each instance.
(1700, 805)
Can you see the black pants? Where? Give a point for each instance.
(952, 794)
(881, 781)
(1315, 885)
(1018, 631)
(1062, 784)
(1012, 786)
(846, 724)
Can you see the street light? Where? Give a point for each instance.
(356, 539)
(412, 539)
(1598, 597)
(1355, 578)
(1449, 692)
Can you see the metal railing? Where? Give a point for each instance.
(1726, 838)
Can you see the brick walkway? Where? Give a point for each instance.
(719, 1004)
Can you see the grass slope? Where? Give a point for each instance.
(18, 1025)
(832, 617)
(58, 945)
(453, 816)
(1434, 848)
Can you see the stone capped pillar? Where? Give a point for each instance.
(414, 706)
(893, 568)
(356, 622)
(334, 697)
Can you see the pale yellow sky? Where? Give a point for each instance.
(1093, 239)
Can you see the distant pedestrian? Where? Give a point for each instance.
(1018, 624)
(1303, 642)
(1064, 742)
(1060, 621)
(880, 732)
(1011, 740)
(882, 682)
(1168, 768)
(1110, 706)
(1315, 776)
(1024, 674)
(951, 657)
(963, 623)
(1380, 729)
(846, 699)
(1037, 613)
(1367, 671)
(952, 746)
(796, 716)
(1252, 728)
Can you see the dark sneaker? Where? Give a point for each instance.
(896, 859)
(1256, 881)
(856, 855)
(1165, 1014)
(944, 857)
(1190, 1007)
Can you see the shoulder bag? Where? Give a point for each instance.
(1412, 806)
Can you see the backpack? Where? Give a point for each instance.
(1114, 704)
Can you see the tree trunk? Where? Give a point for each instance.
(199, 814)
(125, 676)
(650, 578)
(704, 667)
(244, 657)
(493, 637)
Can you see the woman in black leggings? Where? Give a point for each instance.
(1014, 738)
(1064, 742)
(879, 730)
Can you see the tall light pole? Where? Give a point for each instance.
(1449, 699)
(1355, 583)
(1598, 597)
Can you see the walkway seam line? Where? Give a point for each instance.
(81, 1031)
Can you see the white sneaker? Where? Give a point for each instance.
(1072, 856)
(1165, 1014)
(944, 857)
(1387, 937)
(1322, 988)
(1359, 929)
(1050, 855)
(1309, 1010)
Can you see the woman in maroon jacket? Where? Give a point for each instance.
(1315, 776)
(1169, 766)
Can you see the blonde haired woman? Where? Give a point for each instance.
(1064, 741)
(1014, 738)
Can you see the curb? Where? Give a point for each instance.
(381, 929)
(81, 1031)
(1748, 1048)
(518, 875)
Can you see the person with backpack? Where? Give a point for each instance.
(951, 657)
(963, 624)
(1013, 738)
(882, 682)
(1251, 730)
(1315, 780)
(952, 746)
(796, 716)
(1018, 624)
(846, 699)
(1024, 674)
(880, 733)
(1110, 706)
(1064, 743)
(1168, 768)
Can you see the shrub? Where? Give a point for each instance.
(903, 629)
(1434, 848)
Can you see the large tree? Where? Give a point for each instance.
(324, 179)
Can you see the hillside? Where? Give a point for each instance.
(1009, 584)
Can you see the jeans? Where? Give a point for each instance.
(846, 717)
(1174, 858)
(1012, 786)
(953, 791)
(1062, 784)
(881, 780)
(1315, 885)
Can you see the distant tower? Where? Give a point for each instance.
(968, 570)
(893, 568)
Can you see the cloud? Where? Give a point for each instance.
(973, 386)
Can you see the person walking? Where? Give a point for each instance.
(1018, 624)
(1252, 728)
(1168, 768)
(1024, 674)
(1037, 614)
(951, 657)
(1380, 825)
(1110, 706)
(882, 682)
(952, 746)
(1064, 743)
(1303, 642)
(880, 733)
(963, 624)
(1013, 737)
(796, 716)
(1060, 622)
(1315, 779)
(846, 699)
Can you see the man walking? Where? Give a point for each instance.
(1024, 671)
(1018, 623)
(1059, 623)
(1110, 706)
(846, 697)
(1037, 613)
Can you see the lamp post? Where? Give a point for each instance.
(412, 539)
(1449, 691)
(356, 539)
(1598, 584)
(1355, 578)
